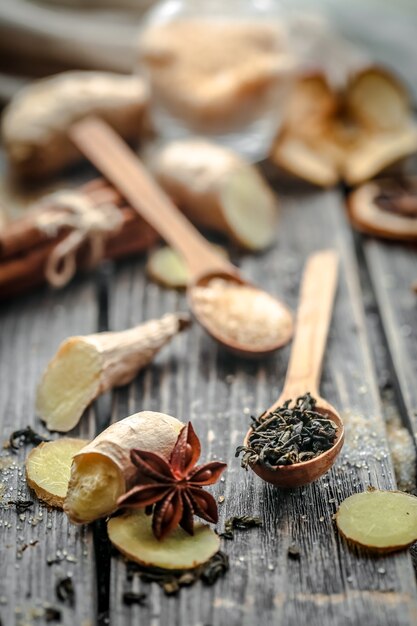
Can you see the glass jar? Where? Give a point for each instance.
(218, 69)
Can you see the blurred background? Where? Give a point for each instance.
(40, 37)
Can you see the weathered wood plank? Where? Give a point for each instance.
(193, 379)
(393, 269)
(30, 330)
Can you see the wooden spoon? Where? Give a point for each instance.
(109, 153)
(304, 370)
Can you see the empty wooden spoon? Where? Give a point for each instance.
(238, 315)
(304, 370)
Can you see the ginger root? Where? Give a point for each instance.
(48, 468)
(218, 190)
(132, 535)
(383, 521)
(102, 471)
(347, 135)
(167, 267)
(86, 366)
(35, 123)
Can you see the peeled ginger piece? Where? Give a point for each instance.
(168, 268)
(132, 535)
(217, 189)
(48, 468)
(383, 521)
(86, 366)
(102, 471)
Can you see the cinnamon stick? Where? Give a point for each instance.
(25, 248)
(23, 234)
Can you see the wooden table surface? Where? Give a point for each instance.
(369, 374)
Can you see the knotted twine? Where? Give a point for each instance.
(89, 223)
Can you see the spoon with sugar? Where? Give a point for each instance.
(303, 377)
(240, 316)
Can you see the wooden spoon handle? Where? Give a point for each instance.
(111, 155)
(313, 320)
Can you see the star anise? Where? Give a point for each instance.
(174, 488)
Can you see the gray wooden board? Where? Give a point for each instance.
(194, 379)
(393, 269)
(31, 329)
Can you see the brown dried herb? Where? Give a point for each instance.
(171, 582)
(215, 568)
(52, 614)
(242, 522)
(294, 553)
(130, 597)
(292, 433)
(21, 505)
(65, 591)
(21, 437)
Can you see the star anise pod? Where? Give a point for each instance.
(174, 488)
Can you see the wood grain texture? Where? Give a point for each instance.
(194, 379)
(393, 270)
(30, 330)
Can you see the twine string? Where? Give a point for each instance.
(88, 223)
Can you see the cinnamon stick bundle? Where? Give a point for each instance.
(28, 245)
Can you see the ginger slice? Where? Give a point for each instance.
(86, 366)
(132, 535)
(383, 521)
(218, 190)
(167, 267)
(102, 471)
(48, 468)
(368, 217)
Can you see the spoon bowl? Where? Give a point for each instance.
(228, 328)
(313, 320)
(299, 474)
(121, 167)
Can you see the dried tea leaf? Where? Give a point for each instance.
(242, 522)
(132, 535)
(65, 591)
(294, 432)
(130, 597)
(215, 568)
(293, 553)
(21, 437)
(21, 505)
(171, 581)
(383, 521)
(52, 614)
